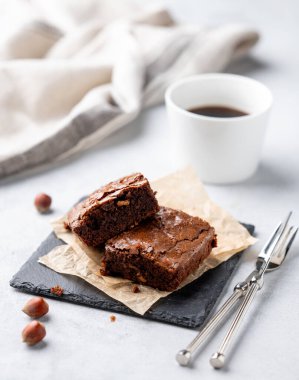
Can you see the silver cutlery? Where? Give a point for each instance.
(270, 258)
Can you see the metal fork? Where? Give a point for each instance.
(276, 248)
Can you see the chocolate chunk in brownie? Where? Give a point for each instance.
(162, 251)
(112, 209)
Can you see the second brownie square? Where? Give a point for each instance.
(160, 252)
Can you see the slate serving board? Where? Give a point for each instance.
(188, 307)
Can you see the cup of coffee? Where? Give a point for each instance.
(218, 124)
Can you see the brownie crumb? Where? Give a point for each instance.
(135, 289)
(112, 318)
(57, 290)
(66, 226)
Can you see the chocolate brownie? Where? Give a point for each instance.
(162, 251)
(114, 208)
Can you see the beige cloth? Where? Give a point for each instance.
(181, 190)
(72, 72)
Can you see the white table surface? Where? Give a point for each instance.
(81, 342)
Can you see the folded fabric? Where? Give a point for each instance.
(65, 86)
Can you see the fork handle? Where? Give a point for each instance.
(183, 357)
(218, 358)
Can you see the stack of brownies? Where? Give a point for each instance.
(145, 243)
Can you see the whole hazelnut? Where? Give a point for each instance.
(42, 202)
(33, 333)
(36, 307)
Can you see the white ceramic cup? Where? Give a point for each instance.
(222, 150)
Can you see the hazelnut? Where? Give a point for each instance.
(42, 202)
(36, 307)
(33, 333)
(123, 203)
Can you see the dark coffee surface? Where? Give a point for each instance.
(217, 111)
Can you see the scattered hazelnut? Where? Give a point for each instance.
(42, 202)
(57, 290)
(112, 318)
(36, 307)
(33, 333)
(135, 289)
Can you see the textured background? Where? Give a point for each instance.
(82, 342)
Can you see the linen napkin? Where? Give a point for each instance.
(71, 73)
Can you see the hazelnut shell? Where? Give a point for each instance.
(36, 307)
(42, 202)
(33, 333)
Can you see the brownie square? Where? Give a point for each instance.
(162, 251)
(114, 208)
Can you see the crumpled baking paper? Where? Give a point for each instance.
(181, 190)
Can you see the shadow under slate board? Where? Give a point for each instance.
(188, 307)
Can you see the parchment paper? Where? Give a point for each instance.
(181, 190)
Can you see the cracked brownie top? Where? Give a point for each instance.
(111, 191)
(169, 238)
(112, 209)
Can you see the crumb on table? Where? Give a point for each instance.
(135, 289)
(57, 290)
(112, 318)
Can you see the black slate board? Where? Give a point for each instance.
(188, 307)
